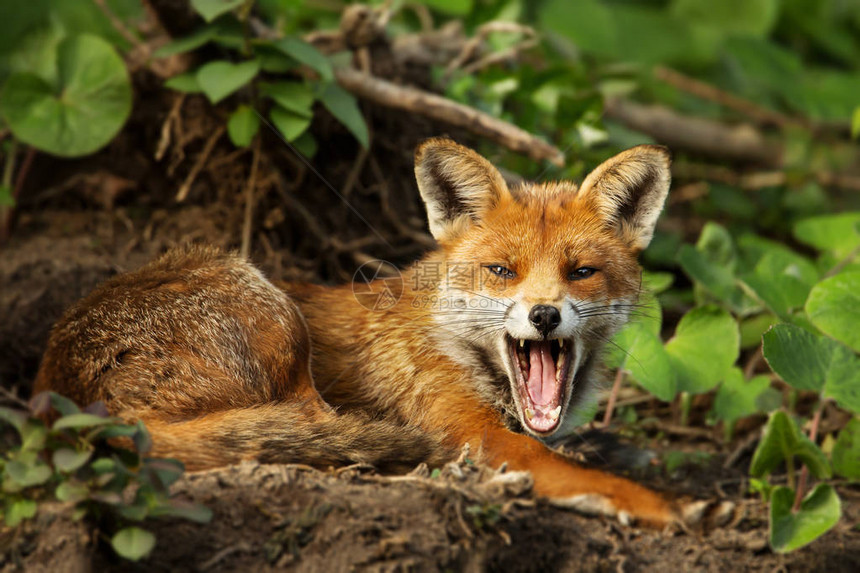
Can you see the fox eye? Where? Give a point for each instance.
(581, 273)
(501, 271)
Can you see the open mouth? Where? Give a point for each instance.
(541, 368)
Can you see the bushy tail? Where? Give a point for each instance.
(292, 433)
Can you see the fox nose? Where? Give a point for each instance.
(545, 318)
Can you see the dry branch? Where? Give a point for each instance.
(438, 108)
(740, 143)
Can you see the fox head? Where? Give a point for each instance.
(551, 270)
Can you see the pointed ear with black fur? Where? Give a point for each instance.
(630, 189)
(456, 184)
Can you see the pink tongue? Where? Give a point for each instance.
(542, 386)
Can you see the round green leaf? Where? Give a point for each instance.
(83, 112)
(185, 83)
(819, 511)
(133, 543)
(26, 475)
(19, 510)
(243, 126)
(220, 79)
(737, 397)
(846, 451)
(808, 361)
(72, 491)
(647, 361)
(837, 233)
(706, 344)
(834, 307)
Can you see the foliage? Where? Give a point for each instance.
(90, 460)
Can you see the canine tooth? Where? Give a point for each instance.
(561, 342)
(555, 413)
(529, 414)
(522, 342)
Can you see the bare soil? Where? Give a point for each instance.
(79, 222)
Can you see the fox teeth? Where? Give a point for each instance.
(529, 414)
(522, 342)
(561, 342)
(555, 413)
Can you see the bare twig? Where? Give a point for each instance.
(201, 161)
(245, 249)
(167, 127)
(613, 395)
(741, 143)
(698, 88)
(804, 473)
(442, 109)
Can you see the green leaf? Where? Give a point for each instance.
(344, 108)
(80, 114)
(589, 24)
(72, 491)
(292, 96)
(188, 43)
(834, 307)
(33, 435)
(647, 361)
(306, 145)
(819, 511)
(62, 404)
(846, 451)
(184, 510)
(133, 543)
(738, 398)
(782, 280)
(211, 9)
(747, 17)
(185, 83)
(855, 123)
(14, 418)
(289, 124)
(837, 233)
(783, 441)
(18, 510)
(222, 78)
(450, 7)
(68, 460)
(716, 278)
(706, 344)
(7, 199)
(243, 126)
(27, 475)
(808, 361)
(142, 438)
(81, 421)
(306, 54)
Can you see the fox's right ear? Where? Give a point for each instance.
(457, 185)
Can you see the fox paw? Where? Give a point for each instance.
(699, 514)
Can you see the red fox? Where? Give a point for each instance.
(491, 340)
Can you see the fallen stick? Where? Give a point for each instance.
(740, 143)
(439, 108)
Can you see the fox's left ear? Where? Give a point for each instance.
(456, 184)
(630, 189)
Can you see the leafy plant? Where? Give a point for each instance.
(93, 461)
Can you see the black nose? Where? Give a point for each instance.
(545, 318)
